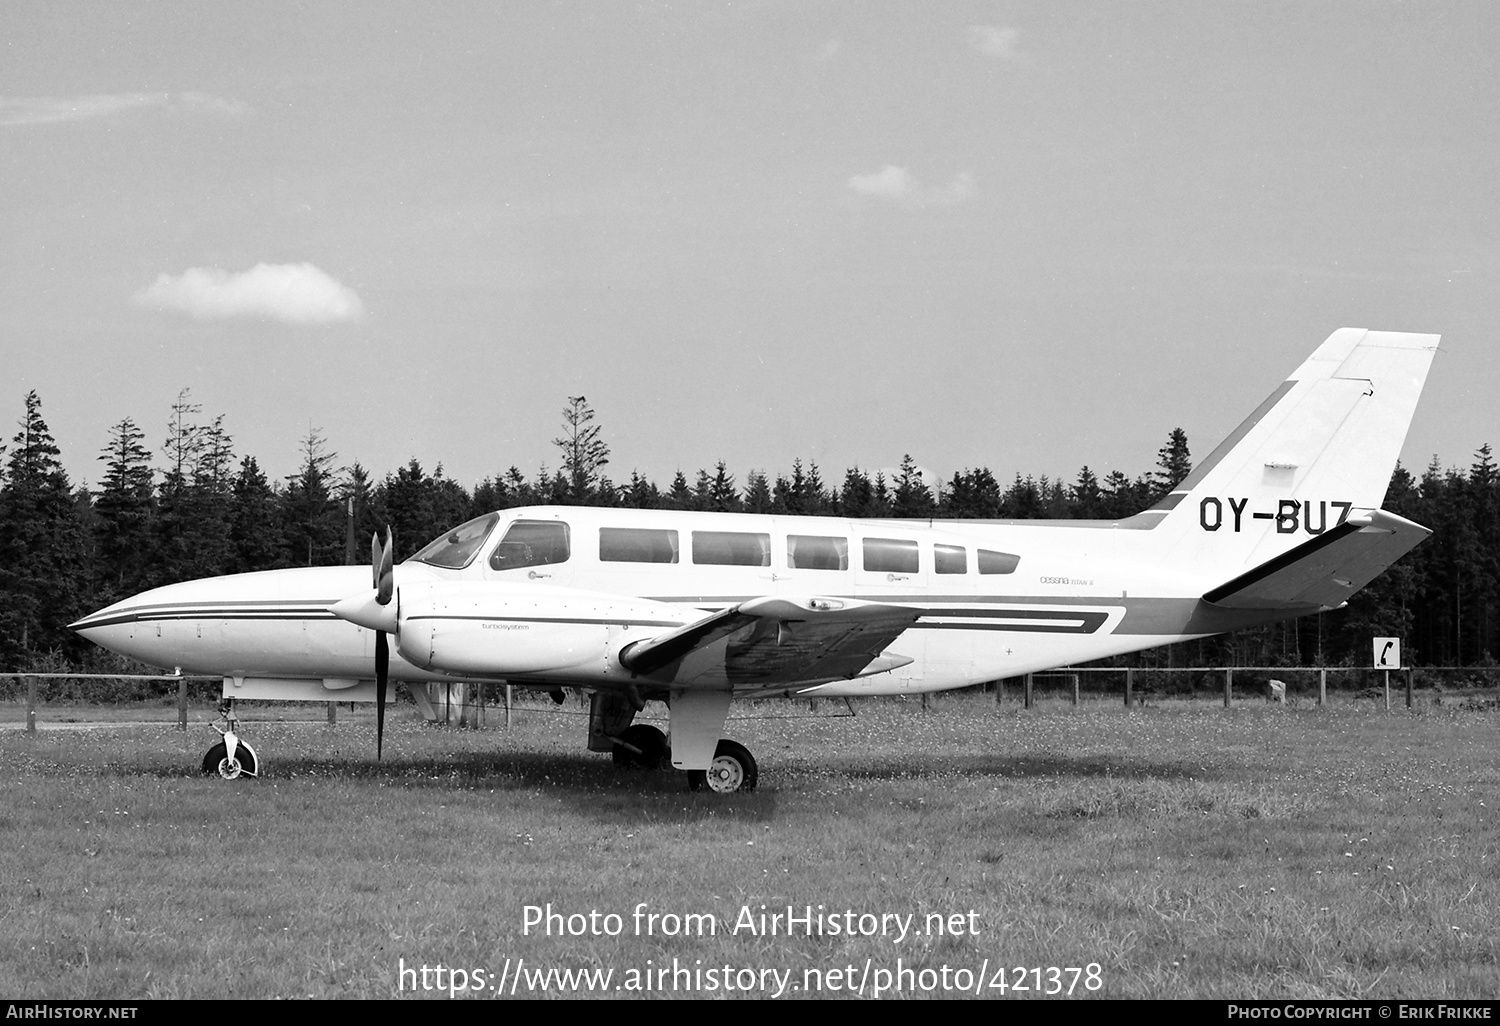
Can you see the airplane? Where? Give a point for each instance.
(696, 609)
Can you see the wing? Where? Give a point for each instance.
(1325, 571)
(773, 641)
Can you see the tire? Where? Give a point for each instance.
(733, 769)
(214, 758)
(652, 743)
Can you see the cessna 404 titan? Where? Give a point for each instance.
(698, 609)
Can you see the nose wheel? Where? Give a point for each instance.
(217, 761)
(733, 769)
(231, 758)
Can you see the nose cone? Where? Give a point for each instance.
(112, 626)
(163, 626)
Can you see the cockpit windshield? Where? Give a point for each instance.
(455, 549)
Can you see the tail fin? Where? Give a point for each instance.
(1316, 455)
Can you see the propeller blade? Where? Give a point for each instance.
(385, 577)
(375, 559)
(382, 675)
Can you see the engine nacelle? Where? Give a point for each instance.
(485, 629)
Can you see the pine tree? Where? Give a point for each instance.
(1173, 463)
(680, 495)
(857, 496)
(721, 495)
(254, 534)
(1022, 500)
(640, 493)
(1087, 496)
(584, 451)
(125, 514)
(195, 498)
(42, 546)
(913, 499)
(312, 524)
(1122, 497)
(803, 494)
(757, 493)
(354, 495)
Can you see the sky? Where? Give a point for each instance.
(1027, 236)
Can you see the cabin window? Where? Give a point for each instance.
(531, 543)
(997, 562)
(950, 559)
(637, 545)
(816, 552)
(891, 555)
(454, 549)
(731, 548)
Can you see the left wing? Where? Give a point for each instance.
(771, 641)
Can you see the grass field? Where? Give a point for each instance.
(1182, 852)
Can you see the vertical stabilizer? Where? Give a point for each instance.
(1320, 450)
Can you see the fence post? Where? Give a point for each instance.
(1228, 686)
(507, 706)
(333, 714)
(1028, 691)
(1075, 689)
(1129, 684)
(1322, 684)
(1408, 687)
(182, 703)
(31, 705)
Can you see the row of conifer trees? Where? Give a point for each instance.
(191, 507)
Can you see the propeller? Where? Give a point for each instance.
(378, 611)
(382, 566)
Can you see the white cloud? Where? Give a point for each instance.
(995, 40)
(897, 183)
(888, 181)
(294, 293)
(43, 110)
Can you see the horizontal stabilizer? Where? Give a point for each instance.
(1324, 572)
(776, 640)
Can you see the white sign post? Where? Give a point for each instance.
(1387, 654)
(1387, 658)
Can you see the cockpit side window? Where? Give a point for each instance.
(455, 549)
(532, 543)
(950, 559)
(998, 562)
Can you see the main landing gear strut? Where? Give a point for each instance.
(643, 746)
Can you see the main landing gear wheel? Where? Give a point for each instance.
(652, 743)
(733, 769)
(216, 762)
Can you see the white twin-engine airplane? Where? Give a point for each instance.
(698, 609)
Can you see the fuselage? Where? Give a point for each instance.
(563, 587)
